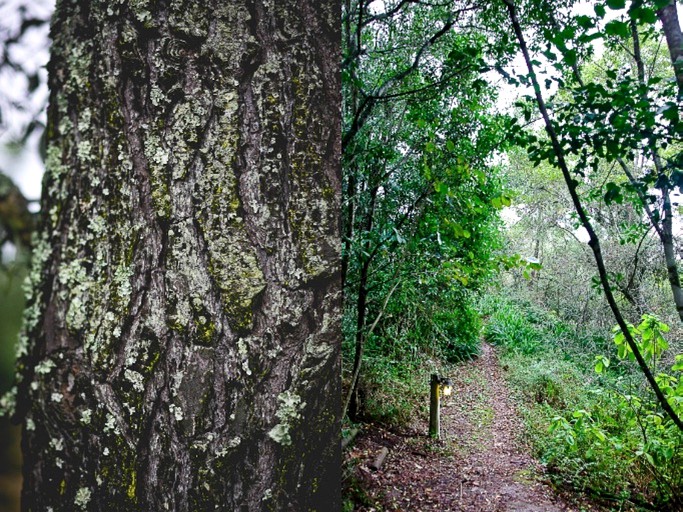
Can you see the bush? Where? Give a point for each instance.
(546, 380)
(511, 328)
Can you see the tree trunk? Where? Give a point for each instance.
(181, 342)
(665, 229)
(668, 15)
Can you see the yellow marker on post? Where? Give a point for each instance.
(438, 386)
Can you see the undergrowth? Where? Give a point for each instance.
(398, 360)
(589, 415)
(399, 357)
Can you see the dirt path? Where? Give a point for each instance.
(479, 465)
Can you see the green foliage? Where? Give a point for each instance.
(395, 390)
(592, 421)
(421, 193)
(507, 328)
(11, 306)
(648, 337)
(619, 440)
(521, 327)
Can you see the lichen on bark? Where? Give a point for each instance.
(180, 348)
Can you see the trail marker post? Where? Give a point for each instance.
(438, 385)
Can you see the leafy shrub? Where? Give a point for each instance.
(459, 334)
(509, 327)
(593, 421)
(546, 380)
(622, 443)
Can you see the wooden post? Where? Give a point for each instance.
(434, 406)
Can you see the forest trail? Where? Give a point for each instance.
(480, 464)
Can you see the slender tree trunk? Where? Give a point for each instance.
(668, 15)
(666, 230)
(663, 228)
(593, 242)
(351, 402)
(181, 342)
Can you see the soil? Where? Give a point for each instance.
(480, 463)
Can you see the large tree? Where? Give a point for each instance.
(181, 341)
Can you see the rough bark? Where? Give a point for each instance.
(181, 342)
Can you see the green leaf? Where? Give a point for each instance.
(584, 22)
(617, 28)
(555, 423)
(550, 55)
(599, 10)
(616, 4)
(399, 238)
(643, 14)
(678, 367)
(429, 147)
(450, 145)
(599, 434)
(613, 193)
(601, 363)
(623, 351)
(570, 57)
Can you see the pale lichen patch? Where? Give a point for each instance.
(57, 444)
(288, 411)
(82, 497)
(77, 283)
(176, 411)
(45, 366)
(110, 424)
(135, 379)
(86, 416)
(242, 349)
